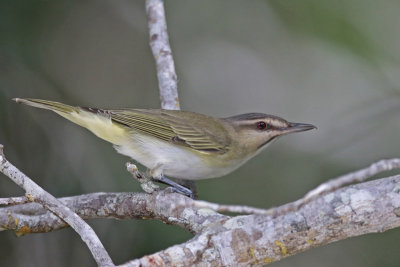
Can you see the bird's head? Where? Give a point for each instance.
(256, 130)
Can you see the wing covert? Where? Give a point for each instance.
(190, 130)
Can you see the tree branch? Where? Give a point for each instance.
(37, 194)
(259, 239)
(170, 208)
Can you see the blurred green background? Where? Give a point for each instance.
(334, 64)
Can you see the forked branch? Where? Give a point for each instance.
(35, 193)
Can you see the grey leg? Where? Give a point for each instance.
(176, 187)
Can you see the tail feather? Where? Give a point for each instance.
(98, 123)
(45, 104)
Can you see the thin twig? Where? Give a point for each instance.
(323, 189)
(341, 181)
(37, 194)
(9, 201)
(159, 42)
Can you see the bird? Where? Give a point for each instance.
(175, 143)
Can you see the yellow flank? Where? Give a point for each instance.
(101, 126)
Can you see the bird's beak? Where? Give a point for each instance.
(298, 127)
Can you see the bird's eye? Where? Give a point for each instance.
(261, 125)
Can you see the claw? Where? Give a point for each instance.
(175, 187)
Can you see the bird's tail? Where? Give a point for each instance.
(45, 104)
(100, 124)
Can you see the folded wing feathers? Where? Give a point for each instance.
(198, 138)
(169, 129)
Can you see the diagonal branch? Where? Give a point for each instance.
(37, 194)
(332, 185)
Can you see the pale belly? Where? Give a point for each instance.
(175, 161)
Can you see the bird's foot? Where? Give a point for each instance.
(148, 185)
(175, 187)
(145, 181)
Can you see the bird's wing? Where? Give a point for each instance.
(198, 131)
(190, 130)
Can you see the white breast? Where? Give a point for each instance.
(171, 160)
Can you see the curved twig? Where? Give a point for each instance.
(37, 194)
